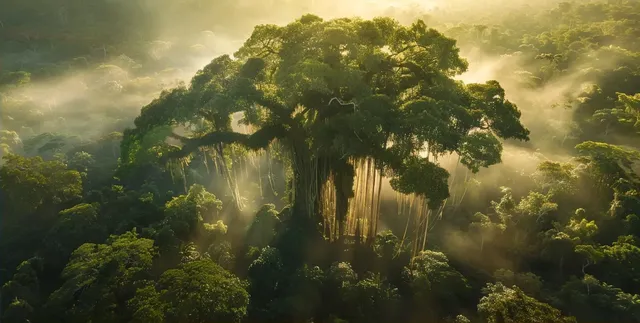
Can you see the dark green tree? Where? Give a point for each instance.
(33, 191)
(263, 228)
(100, 279)
(590, 300)
(435, 283)
(75, 226)
(510, 305)
(23, 294)
(201, 291)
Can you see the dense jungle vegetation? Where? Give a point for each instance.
(201, 161)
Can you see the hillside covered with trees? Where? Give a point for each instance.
(201, 161)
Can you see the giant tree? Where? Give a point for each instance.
(334, 93)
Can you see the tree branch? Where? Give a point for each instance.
(267, 49)
(263, 137)
(179, 137)
(406, 48)
(210, 139)
(258, 140)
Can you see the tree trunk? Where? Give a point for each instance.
(298, 240)
(305, 199)
(307, 185)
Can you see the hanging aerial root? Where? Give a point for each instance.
(270, 171)
(203, 150)
(364, 207)
(328, 202)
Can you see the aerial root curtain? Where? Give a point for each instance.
(362, 215)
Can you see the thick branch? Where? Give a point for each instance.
(210, 139)
(258, 140)
(179, 137)
(263, 137)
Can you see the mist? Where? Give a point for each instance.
(109, 93)
(111, 212)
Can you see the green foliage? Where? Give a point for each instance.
(620, 261)
(99, 277)
(29, 183)
(424, 178)
(511, 305)
(499, 115)
(435, 282)
(631, 105)
(340, 276)
(263, 228)
(591, 254)
(591, 300)
(22, 292)
(480, 149)
(485, 228)
(75, 226)
(372, 299)
(198, 291)
(304, 293)
(264, 275)
(583, 230)
(608, 163)
(186, 214)
(387, 245)
(18, 311)
(222, 254)
(81, 161)
(556, 178)
(10, 142)
(529, 283)
(146, 306)
(32, 191)
(536, 205)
